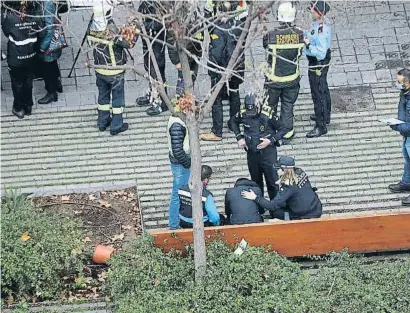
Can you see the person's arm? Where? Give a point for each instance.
(277, 132)
(227, 205)
(278, 202)
(404, 129)
(172, 53)
(258, 193)
(235, 122)
(5, 22)
(212, 211)
(319, 50)
(50, 11)
(265, 41)
(178, 133)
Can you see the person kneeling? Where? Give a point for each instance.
(296, 195)
(239, 210)
(210, 213)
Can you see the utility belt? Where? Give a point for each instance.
(314, 61)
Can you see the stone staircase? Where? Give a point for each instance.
(59, 150)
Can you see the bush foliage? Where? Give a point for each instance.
(37, 250)
(144, 279)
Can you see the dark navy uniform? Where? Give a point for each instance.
(318, 54)
(282, 77)
(300, 200)
(260, 161)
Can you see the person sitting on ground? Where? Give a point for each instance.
(239, 210)
(211, 215)
(296, 195)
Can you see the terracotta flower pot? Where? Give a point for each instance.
(102, 254)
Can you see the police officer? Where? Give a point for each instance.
(317, 49)
(210, 212)
(284, 45)
(109, 51)
(259, 143)
(154, 29)
(295, 198)
(224, 36)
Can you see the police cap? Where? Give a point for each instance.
(250, 104)
(285, 162)
(320, 6)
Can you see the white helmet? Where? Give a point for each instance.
(102, 10)
(286, 12)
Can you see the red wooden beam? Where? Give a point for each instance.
(381, 232)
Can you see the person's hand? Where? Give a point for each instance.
(250, 195)
(307, 41)
(178, 66)
(242, 143)
(265, 142)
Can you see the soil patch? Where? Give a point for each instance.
(352, 99)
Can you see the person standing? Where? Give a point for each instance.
(239, 210)
(21, 28)
(284, 45)
(295, 197)
(260, 144)
(109, 50)
(224, 37)
(211, 216)
(317, 50)
(403, 84)
(47, 11)
(180, 158)
(155, 29)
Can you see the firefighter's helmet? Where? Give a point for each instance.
(286, 12)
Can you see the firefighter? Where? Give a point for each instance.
(109, 50)
(317, 50)
(224, 36)
(156, 30)
(259, 143)
(284, 45)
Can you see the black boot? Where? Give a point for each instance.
(399, 187)
(28, 110)
(101, 129)
(313, 118)
(317, 132)
(406, 201)
(145, 99)
(48, 98)
(59, 86)
(157, 109)
(123, 128)
(19, 114)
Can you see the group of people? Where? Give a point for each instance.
(30, 29)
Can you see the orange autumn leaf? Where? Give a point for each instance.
(25, 237)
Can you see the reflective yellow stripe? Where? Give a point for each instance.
(199, 36)
(98, 40)
(267, 110)
(104, 107)
(289, 134)
(108, 72)
(213, 36)
(283, 79)
(117, 110)
(243, 109)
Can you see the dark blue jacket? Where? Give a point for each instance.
(48, 11)
(300, 200)
(404, 114)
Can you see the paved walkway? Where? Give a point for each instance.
(58, 149)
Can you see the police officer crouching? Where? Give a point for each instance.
(210, 212)
(317, 49)
(295, 197)
(260, 143)
(284, 45)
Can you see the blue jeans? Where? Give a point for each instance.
(181, 178)
(110, 85)
(406, 156)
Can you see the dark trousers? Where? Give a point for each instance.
(320, 93)
(22, 87)
(260, 163)
(158, 50)
(51, 74)
(217, 109)
(110, 85)
(287, 97)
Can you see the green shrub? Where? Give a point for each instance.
(144, 279)
(35, 267)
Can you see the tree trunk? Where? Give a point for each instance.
(195, 186)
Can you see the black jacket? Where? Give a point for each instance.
(224, 38)
(151, 8)
(252, 130)
(300, 200)
(283, 43)
(239, 210)
(22, 38)
(404, 114)
(185, 202)
(177, 133)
